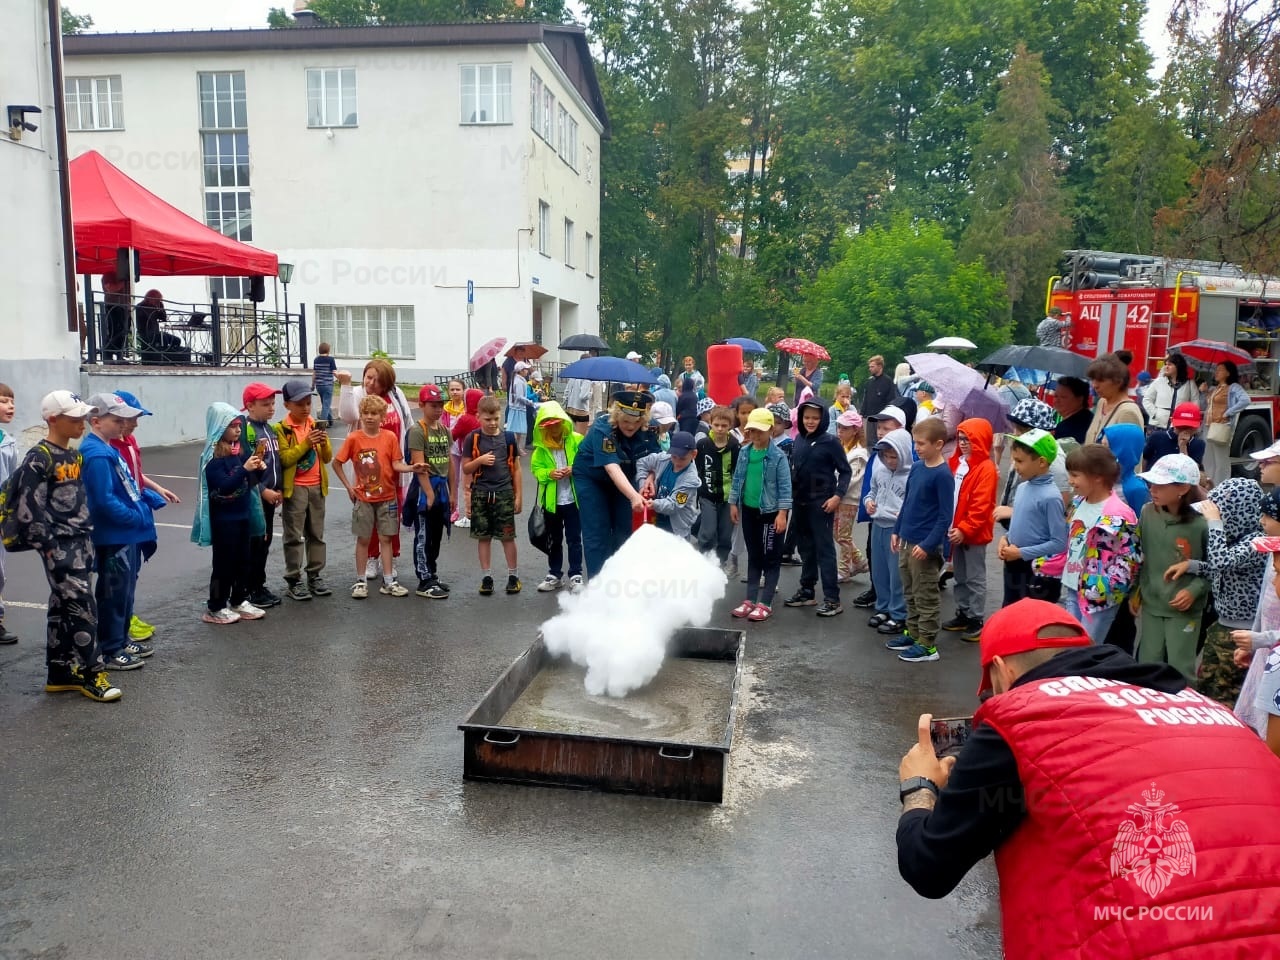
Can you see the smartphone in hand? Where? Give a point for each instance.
(949, 734)
(260, 450)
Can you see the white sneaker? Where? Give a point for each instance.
(463, 523)
(576, 584)
(549, 584)
(393, 589)
(373, 569)
(223, 616)
(248, 611)
(359, 590)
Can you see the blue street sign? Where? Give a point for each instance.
(471, 292)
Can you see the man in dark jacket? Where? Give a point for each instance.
(879, 391)
(1072, 738)
(820, 478)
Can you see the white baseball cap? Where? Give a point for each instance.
(661, 412)
(890, 412)
(633, 355)
(1270, 453)
(64, 403)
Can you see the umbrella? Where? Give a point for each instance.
(487, 352)
(1204, 355)
(962, 388)
(953, 343)
(615, 369)
(526, 350)
(806, 348)
(748, 345)
(583, 341)
(1054, 360)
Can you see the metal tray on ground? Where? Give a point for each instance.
(538, 725)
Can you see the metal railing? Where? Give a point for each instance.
(137, 331)
(550, 373)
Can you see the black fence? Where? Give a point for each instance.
(550, 373)
(156, 332)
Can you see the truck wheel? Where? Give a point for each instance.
(1253, 433)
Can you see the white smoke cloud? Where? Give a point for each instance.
(619, 626)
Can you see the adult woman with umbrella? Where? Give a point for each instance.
(379, 380)
(604, 474)
(1175, 385)
(1226, 399)
(807, 376)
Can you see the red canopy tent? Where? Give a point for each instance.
(110, 211)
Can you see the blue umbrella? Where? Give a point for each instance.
(615, 369)
(747, 344)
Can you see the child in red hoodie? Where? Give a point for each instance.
(972, 526)
(461, 428)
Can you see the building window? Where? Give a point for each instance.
(357, 331)
(331, 97)
(567, 131)
(549, 117)
(535, 103)
(587, 253)
(486, 93)
(544, 228)
(94, 103)
(568, 242)
(224, 148)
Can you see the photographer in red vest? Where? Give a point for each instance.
(1130, 816)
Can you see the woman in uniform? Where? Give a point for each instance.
(604, 475)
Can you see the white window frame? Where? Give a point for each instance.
(490, 86)
(549, 117)
(587, 253)
(230, 114)
(357, 330)
(86, 95)
(544, 228)
(344, 80)
(535, 103)
(568, 242)
(569, 139)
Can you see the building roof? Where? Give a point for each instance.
(567, 43)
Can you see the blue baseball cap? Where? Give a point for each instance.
(132, 401)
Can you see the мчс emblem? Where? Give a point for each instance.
(1150, 851)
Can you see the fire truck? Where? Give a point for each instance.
(1145, 304)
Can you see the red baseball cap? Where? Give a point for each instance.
(1016, 629)
(1186, 415)
(256, 391)
(430, 393)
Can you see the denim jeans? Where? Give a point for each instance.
(325, 390)
(1097, 625)
(565, 520)
(117, 582)
(890, 600)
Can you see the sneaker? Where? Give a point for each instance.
(136, 648)
(742, 610)
(434, 591)
(760, 613)
(730, 568)
(901, 642)
(95, 686)
(513, 584)
(359, 590)
(372, 568)
(63, 679)
(463, 523)
(891, 626)
(124, 661)
(973, 632)
(224, 616)
(486, 586)
(297, 591)
(877, 619)
(140, 630)
(957, 623)
(249, 611)
(576, 583)
(917, 653)
(865, 599)
(318, 587)
(549, 584)
(264, 598)
(830, 608)
(791, 560)
(5, 636)
(393, 589)
(802, 598)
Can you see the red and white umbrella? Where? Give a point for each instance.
(487, 352)
(1204, 355)
(805, 348)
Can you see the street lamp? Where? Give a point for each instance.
(285, 273)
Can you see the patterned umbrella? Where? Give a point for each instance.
(1204, 355)
(806, 348)
(961, 388)
(488, 352)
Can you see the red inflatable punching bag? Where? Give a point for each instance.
(724, 363)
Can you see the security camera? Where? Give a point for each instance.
(18, 120)
(25, 125)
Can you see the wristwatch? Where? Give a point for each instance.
(912, 784)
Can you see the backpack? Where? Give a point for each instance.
(512, 451)
(13, 533)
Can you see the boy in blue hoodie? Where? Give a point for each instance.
(123, 530)
(820, 476)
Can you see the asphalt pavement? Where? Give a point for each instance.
(292, 788)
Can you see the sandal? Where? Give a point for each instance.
(744, 609)
(760, 613)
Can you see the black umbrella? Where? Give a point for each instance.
(583, 341)
(1055, 360)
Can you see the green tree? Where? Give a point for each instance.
(893, 289)
(73, 23)
(1019, 223)
(278, 18)
(380, 12)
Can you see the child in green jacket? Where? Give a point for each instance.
(555, 444)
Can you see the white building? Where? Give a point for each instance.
(389, 165)
(39, 345)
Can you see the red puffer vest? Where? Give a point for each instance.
(1151, 829)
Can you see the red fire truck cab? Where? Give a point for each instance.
(1145, 304)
